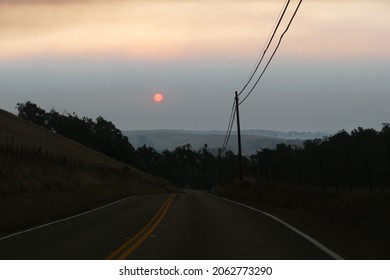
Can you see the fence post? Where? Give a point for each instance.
(300, 173)
(273, 173)
(309, 176)
(367, 169)
(334, 173)
(17, 152)
(285, 172)
(37, 153)
(256, 171)
(1, 171)
(388, 155)
(292, 174)
(261, 174)
(275, 177)
(270, 173)
(388, 152)
(12, 146)
(322, 175)
(21, 151)
(63, 161)
(348, 172)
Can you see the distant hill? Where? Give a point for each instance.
(291, 135)
(252, 140)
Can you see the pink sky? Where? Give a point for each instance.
(170, 29)
(109, 57)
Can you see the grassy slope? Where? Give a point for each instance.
(34, 136)
(32, 193)
(356, 226)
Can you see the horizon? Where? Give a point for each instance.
(233, 131)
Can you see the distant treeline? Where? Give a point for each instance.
(360, 157)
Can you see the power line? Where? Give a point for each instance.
(230, 127)
(227, 131)
(258, 62)
(273, 54)
(260, 59)
(230, 131)
(266, 45)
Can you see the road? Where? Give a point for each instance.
(188, 225)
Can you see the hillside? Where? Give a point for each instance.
(170, 139)
(44, 176)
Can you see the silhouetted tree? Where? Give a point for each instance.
(31, 112)
(148, 160)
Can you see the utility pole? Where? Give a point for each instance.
(239, 139)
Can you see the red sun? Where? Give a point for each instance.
(158, 97)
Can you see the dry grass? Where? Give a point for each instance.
(356, 226)
(33, 192)
(37, 195)
(32, 135)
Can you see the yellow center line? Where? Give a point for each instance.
(127, 248)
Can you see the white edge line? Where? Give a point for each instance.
(65, 219)
(304, 235)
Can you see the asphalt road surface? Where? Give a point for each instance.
(189, 225)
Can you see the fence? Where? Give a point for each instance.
(365, 171)
(15, 154)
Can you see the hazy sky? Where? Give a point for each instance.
(108, 58)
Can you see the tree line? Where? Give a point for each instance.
(201, 168)
(100, 135)
(341, 143)
(359, 160)
(182, 166)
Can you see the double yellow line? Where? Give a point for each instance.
(132, 244)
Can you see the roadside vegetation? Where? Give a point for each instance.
(355, 226)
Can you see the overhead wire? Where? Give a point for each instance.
(229, 132)
(230, 121)
(229, 129)
(273, 54)
(257, 65)
(267, 44)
